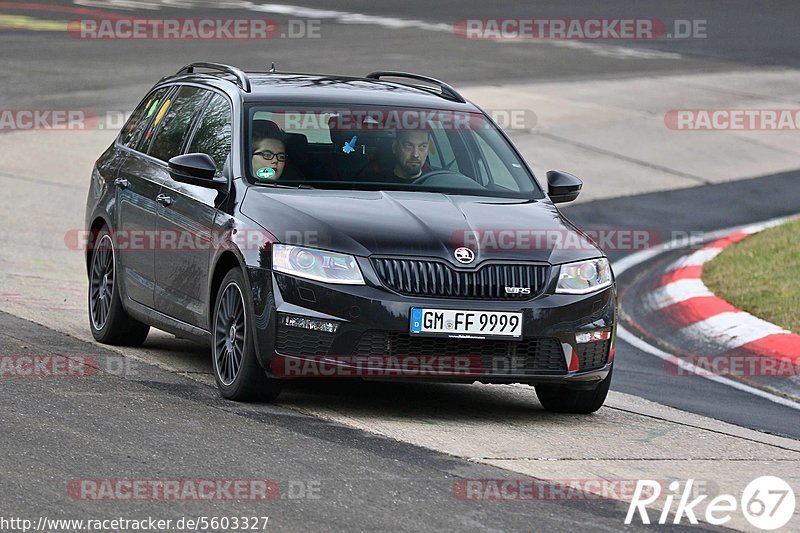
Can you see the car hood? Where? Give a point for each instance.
(420, 224)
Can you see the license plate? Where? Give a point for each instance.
(465, 324)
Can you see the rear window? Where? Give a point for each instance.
(132, 134)
(173, 120)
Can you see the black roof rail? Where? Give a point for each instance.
(241, 78)
(447, 90)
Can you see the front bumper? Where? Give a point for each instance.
(372, 338)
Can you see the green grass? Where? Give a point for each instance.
(761, 275)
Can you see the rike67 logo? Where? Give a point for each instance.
(767, 502)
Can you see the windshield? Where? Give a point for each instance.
(382, 148)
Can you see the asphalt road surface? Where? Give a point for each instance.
(150, 424)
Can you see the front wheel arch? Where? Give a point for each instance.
(226, 262)
(98, 224)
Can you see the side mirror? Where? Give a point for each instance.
(562, 187)
(196, 169)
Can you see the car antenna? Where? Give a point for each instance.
(273, 69)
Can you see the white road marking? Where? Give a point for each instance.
(676, 292)
(698, 258)
(346, 17)
(731, 329)
(617, 52)
(636, 342)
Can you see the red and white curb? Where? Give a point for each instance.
(684, 300)
(700, 314)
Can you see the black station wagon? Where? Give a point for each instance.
(328, 226)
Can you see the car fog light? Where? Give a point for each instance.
(309, 323)
(592, 336)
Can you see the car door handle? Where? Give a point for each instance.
(164, 200)
(122, 183)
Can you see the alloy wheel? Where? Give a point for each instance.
(229, 334)
(101, 282)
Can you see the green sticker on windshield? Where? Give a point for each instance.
(152, 109)
(265, 173)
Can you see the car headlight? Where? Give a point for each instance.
(584, 277)
(319, 265)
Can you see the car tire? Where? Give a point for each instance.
(108, 320)
(565, 399)
(238, 374)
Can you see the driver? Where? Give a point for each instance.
(410, 150)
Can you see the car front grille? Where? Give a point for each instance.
(592, 354)
(413, 277)
(497, 357)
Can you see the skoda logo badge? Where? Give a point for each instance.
(464, 255)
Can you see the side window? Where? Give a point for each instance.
(133, 131)
(213, 135)
(173, 120)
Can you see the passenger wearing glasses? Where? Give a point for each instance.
(269, 150)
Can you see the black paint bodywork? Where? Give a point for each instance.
(174, 290)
